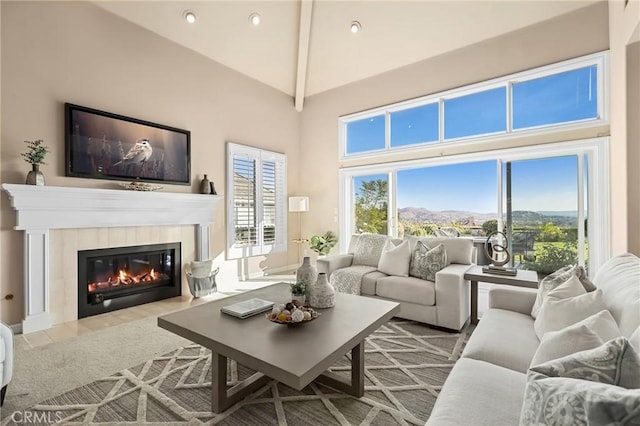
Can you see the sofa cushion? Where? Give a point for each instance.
(369, 282)
(459, 250)
(586, 334)
(597, 386)
(407, 289)
(477, 393)
(394, 260)
(556, 314)
(427, 261)
(367, 249)
(635, 340)
(504, 338)
(556, 279)
(618, 279)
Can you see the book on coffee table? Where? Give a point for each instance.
(247, 308)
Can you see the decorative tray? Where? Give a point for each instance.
(140, 186)
(286, 314)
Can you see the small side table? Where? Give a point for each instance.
(524, 278)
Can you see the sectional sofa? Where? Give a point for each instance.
(487, 385)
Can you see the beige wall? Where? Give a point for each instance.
(569, 36)
(633, 145)
(57, 52)
(623, 22)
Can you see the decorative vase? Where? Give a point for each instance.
(322, 293)
(213, 189)
(308, 274)
(299, 297)
(205, 188)
(35, 176)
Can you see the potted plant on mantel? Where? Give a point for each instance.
(322, 244)
(35, 154)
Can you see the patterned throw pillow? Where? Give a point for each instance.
(596, 386)
(555, 279)
(368, 248)
(425, 261)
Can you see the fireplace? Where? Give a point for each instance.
(117, 278)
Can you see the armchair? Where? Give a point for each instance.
(6, 359)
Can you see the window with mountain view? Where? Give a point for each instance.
(371, 203)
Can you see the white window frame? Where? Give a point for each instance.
(600, 60)
(596, 149)
(260, 248)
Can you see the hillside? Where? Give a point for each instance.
(520, 217)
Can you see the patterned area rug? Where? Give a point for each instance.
(406, 364)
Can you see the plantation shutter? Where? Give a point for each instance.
(256, 212)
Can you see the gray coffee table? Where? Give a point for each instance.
(293, 355)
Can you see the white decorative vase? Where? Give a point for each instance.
(308, 274)
(322, 293)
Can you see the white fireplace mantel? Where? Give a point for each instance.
(41, 208)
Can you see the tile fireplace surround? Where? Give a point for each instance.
(61, 220)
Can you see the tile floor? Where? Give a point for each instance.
(71, 329)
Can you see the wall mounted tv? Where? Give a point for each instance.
(102, 145)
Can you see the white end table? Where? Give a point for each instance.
(523, 278)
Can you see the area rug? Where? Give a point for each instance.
(406, 364)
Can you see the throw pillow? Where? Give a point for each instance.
(596, 386)
(557, 314)
(427, 261)
(368, 248)
(201, 269)
(459, 250)
(586, 334)
(395, 260)
(555, 279)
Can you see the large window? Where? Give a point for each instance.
(547, 199)
(256, 212)
(540, 100)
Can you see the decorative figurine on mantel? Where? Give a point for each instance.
(35, 154)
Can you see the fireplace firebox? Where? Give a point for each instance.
(116, 278)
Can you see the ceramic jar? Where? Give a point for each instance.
(322, 293)
(205, 188)
(308, 274)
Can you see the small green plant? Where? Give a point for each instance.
(298, 289)
(36, 152)
(322, 244)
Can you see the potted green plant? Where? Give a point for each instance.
(34, 155)
(322, 244)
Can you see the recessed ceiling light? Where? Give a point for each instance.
(189, 16)
(254, 18)
(355, 26)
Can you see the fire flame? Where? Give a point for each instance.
(122, 276)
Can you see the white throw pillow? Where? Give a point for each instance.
(394, 260)
(201, 269)
(589, 333)
(556, 314)
(557, 278)
(635, 340)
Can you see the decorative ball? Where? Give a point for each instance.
(297, 315)
(283, 317)
(286, 312)
(307, 315)
(276, 310)
(289, 306)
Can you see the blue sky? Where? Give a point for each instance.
(538, 185)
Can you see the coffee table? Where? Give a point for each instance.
(294, 355)
(523, 278)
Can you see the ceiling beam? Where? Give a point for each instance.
(304, 35)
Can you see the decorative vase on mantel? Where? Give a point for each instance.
(308, 274)
(35, 176)
(322, 294)
(205, 187)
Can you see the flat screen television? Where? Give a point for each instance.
(103, 145)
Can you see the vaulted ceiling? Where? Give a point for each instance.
(305, 47)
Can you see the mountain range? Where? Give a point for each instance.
(467, 218)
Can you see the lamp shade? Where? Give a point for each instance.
(298, 204)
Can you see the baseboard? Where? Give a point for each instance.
(16, 328)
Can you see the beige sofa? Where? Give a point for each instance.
(486, 386)
(444, 302)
